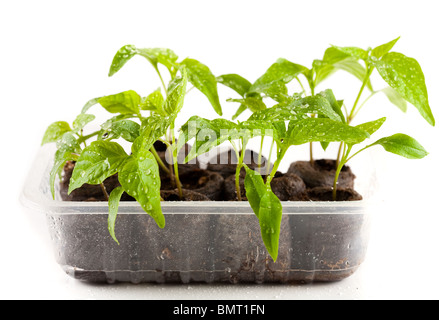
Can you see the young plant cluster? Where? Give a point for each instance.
(300, 118)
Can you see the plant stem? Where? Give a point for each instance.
(175, 156)
(339, 168)
(240, 157)
(159, 161)
(273, 172)
(163, 82)
(337, 162)
(366, 80)
(104, 191)
(353, 111)
(269, 159)
(238, 181)
(301, 85)
(91, 135)
(365, 101)
(311, 153)
(280, 155)
(260, 154)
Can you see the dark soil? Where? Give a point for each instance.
(325, 194)
(289, 187)
(188, 195)
(303, 182)
(225, 163)
(208, 183)
(230, 193)
(166, 157)
(322, 173)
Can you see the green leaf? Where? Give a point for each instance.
(278, 113)
(281, 72)
(166, 57)
(68, 149)
(154, 55)
(154, 102)
(125, 102)
(113, 205)
(318, 104)
(257, 128)
(354, 52)
(208, 134)
(152, 129)
(334, 55)
(240, 110)
(121, 58)
(372, 126)
(405, 75)
(55, 131)
(140, 178)
(236, 83)
(402, 145)
(395, 98)
(270, 218)
(81, 121)
(335, 60)
(324, 130)
(255, 189)
(380, 51)
(203, 79)
(97, 162)
(334, 103)
(90, 104)
(177, 91)
(120, 127)
(60, 161)
(252, 103)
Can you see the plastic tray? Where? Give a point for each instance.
(202, 242)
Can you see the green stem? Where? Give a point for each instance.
(337, 162)
(301, 85)
(159, 161)
(269, 159)
(175, 156)
(280, 155)
(343, 161)
(354, 112)
(91, 135)
(239, 167)
(365, 101)
(366, 80)
(311, 153)
(161, 79)
(273, 172)
(260, 154)
(104, 191)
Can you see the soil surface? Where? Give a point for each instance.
(322, 173)
(303, 181)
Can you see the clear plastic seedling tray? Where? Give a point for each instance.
(202, 242)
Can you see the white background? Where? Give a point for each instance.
(55, 56)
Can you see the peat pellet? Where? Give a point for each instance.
(322, 173)
(188, 195)
(325, 194)
(289, 187)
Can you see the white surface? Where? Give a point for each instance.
(56, 56)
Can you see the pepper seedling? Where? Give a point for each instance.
(271, 122)
(138, 173)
